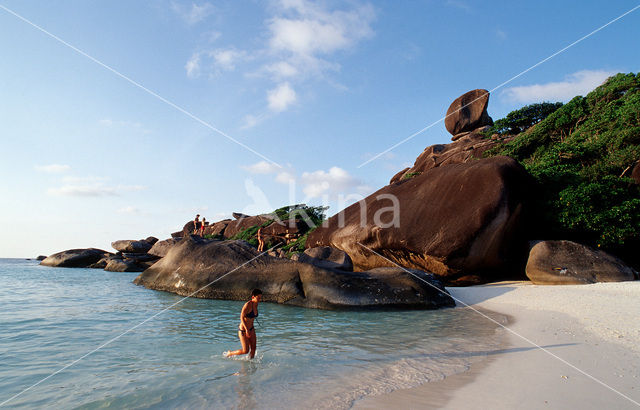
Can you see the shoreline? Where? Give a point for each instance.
(593, 327)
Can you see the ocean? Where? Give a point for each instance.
(59, 319)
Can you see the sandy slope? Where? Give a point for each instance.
(595, 328)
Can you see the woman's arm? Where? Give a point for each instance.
(243, 317)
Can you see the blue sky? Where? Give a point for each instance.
(315, 89)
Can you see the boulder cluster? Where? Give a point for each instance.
(218, 269)
(276, 232)
(461, 216)
(453, 218)
(130, 256)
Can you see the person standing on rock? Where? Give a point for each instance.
(246, 331)
(260, 240)
(202, 226)
(196, 224)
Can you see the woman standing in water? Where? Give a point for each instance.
(246, 332)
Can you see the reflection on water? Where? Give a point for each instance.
(306, 358)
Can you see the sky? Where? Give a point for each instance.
(121, 120)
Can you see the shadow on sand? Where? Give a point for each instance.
(477, 294)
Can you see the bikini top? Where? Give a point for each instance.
(251, 315)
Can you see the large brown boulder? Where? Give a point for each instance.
(570, 263)
(462, 222)
(129, 245)
(75, 258)
(468, 112)
(468, 148)
(239, 225)
(327, 257)
(187, 230)
(161, 248)
(123, 265)
(216, 228)
(284, 228)
(231, 269)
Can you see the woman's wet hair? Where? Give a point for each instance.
(256, 292)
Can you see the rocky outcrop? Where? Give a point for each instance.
(327, 257)
(570, 263)
(468, 148)
(124, 265)
(101, 264)
(152, 240)
(161, 248)
(141, 246)
(217, 228)
(462, 222)
(467, 113)
(283, 228)
(187, 230)
(41, 258)
(239, 225)
(231, 269)
(75, 258)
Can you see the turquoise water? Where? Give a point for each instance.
(305, 358)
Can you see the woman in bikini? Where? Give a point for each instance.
(204, 222)
(246, 332)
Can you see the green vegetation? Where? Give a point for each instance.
(309, 218)
(581, 155)
(520, 120)
(297, 246)
(250, 233)
(411, 175)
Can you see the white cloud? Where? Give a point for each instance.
(285, 177)
(281, 97)
(193, 66)
(131, 210)
(282, 69)
(579, 83)
(262, 167)
(250, 121)
(226, 59)
(53, 168)
(312, 29)
(93, 190)
(213, 61)
(193, 14)
(335, 181)
(302, 37)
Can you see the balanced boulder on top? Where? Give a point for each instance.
(468, 112)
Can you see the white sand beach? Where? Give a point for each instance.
(595, 328)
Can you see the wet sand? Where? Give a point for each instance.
(595, 328)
